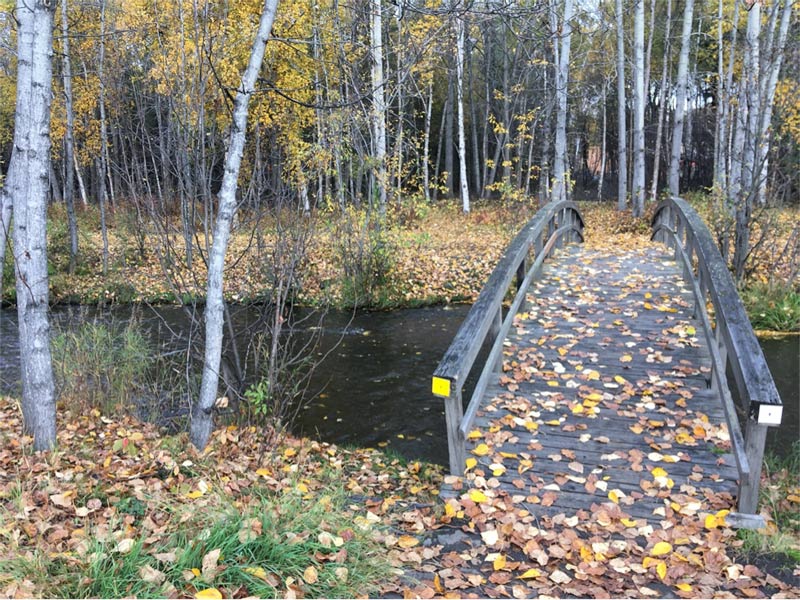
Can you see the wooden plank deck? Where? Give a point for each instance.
(603, 394)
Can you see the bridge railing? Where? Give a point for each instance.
(554, 224)
(730, 338)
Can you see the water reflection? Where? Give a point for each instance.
(373, 389)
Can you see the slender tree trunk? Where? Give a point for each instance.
(462, 143)
(680, 100)
(378, 103)
(602, 174)
(774, 57)
(426, 177)
(622, 129)
(750, 122)
(69, 142)
(202, 421)
(560, 175)
(6, 203)
(448, 138)
(28, 178)
(102, 169)
(662, 99)
(638, 183)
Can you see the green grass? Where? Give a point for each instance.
(782, 481)
(101, 364)
(773, 307)
(274, 540)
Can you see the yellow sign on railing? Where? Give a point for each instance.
(441, 387)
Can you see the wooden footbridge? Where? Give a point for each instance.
(607, 379)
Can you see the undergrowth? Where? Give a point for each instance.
(263, 549)
(772, 306)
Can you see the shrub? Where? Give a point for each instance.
(101, 364)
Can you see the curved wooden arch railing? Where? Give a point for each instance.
(731, 340)
(554, 224)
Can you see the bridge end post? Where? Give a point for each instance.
(456, 443)
(755, 439)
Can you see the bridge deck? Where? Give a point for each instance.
(603, 394)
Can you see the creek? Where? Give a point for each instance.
(373, 388)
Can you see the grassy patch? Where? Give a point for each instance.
(278, 542)
(774, 307)
(101, 364)
(780, 498)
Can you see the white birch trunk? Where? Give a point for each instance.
(638, 181)
(622, 128)
(6, 203)
(378, 103)
(770, 82)
(562, 80)
(602, 174)
(746, 140)
(69, 142)
(28, 176)
(202, 422)
(426, 176)
(680, 100)
(662, 100)
(462, 143)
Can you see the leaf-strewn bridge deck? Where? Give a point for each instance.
(603, 392)
(606, 380)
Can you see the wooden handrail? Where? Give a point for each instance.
(733, 343)
(552, 224)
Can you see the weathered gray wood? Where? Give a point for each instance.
(459, 359)
(735, 344)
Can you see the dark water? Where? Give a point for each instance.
(373, 389)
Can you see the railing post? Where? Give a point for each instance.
(755, 438)
(456, 443)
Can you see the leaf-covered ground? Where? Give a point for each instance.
(436, 257)
(120, 510)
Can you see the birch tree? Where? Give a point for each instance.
(69, 141)
(462, 144)
(378, 102)
(680, 100)
(562, 80)
(622, 129)
(202, 410)
(638, 180)
(28, 183)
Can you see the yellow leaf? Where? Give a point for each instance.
(407, 541)
(553, 422)
(661, 569)
(508, 454)
(209, 594)
(289, 453)
(711, 522)
(577, 409)
(661, 548)
(194, 494)
(530, 574)
(691, 331)
(658, 472)
(684, 587)
(552, 383)
(310, 575)
(499, 563)
(302, 487)
(620, 380)
(594, 397)
(470, 463)
(477, 496)
(592, 375)
(647, 561)
(626, 358)
(257, 572)
(264, 472)
(481, 450)
(437, 584)
(628, 522)
(613, 495)
(474, 434)
(449, 510)
(562, 351)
